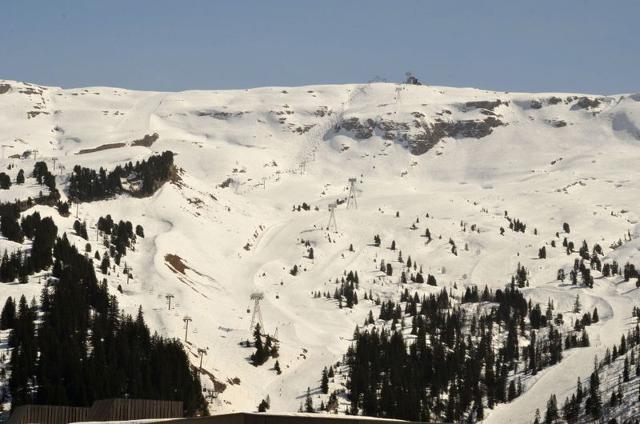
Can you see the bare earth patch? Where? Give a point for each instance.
(103, 147)
(146, 141)
(175, 263)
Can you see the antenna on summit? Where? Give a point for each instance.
(332, 218)
(352, 194)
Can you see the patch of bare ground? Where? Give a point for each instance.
(146, 141)
(175, 176)
(175, 263)
(102, 147)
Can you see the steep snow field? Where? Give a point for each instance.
(458, 155)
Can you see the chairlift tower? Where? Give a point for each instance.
(332, 218)
(169, 297)
(187, 319)
(201, 352)
(351, 200)
(256, 318)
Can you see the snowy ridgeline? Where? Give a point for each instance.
(454, 189)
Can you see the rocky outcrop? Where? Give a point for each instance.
(433, 133)
(585, 103)
(483, 104)
(421, 136)
(556, 123)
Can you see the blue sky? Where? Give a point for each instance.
(563, 45)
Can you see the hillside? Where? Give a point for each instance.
(440, 158)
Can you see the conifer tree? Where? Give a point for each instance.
(8, 316)
(551, 415)
(308, 402)
(20, 177)
(324, 381)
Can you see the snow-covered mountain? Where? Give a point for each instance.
(225, 227)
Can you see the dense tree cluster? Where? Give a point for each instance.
(81, 229)
(87, 184)
(521, 277)
(43, 176)
(5, 181)
(455, 364)
(9, 226)
(86, 349)
(597, 401)
(264, 350)
(304, 207)
(42, 232)
(346, 292)
(118, 236)
(516, 225)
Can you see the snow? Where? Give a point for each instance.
(585, 173)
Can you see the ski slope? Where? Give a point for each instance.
(416, 150)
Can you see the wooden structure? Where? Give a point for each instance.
(101, 410)
(298, 418)
(48, 414)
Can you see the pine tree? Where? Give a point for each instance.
(542, 253)
(20, 177)
(576, 305)
(263, 406)
(625, 371)
(324, 381)
(551, 415)
(8, 316)
(593, 404)
(308, 402)
(536, 420)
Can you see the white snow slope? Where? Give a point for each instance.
(552, 158)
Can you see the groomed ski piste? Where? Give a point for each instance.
(225, 228)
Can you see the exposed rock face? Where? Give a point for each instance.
(4, 88)
(535, 104)
(422, 136)
(585, 103)
(432, 134)
(216, 114)
(556, 123)
(483, 104)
